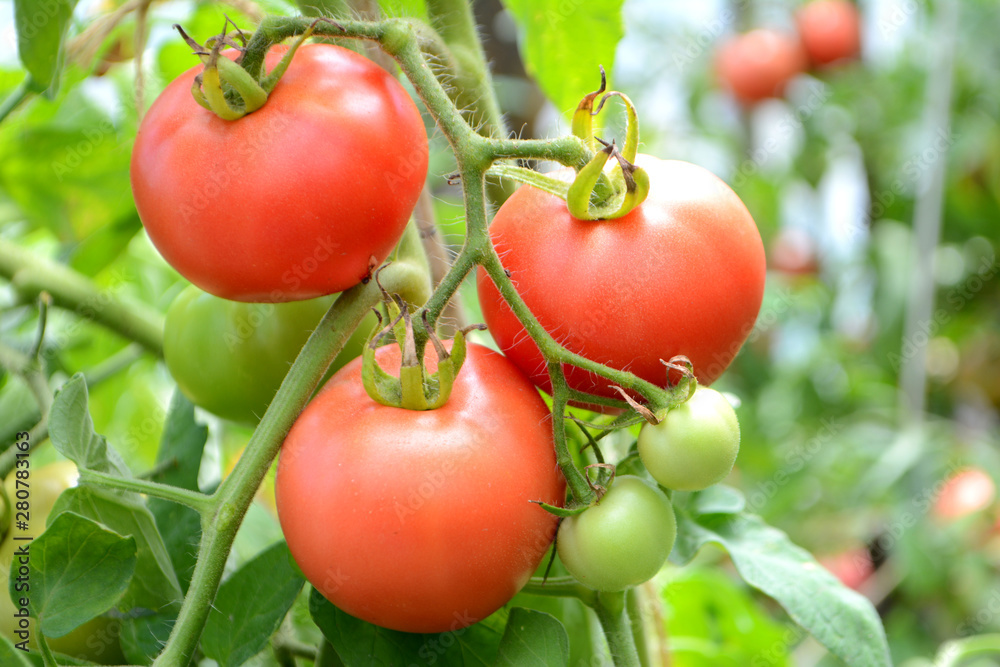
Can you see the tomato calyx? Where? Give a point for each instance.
(224, 87)
(595, 193)
(598, 485)
(415, 388)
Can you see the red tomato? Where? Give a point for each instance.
(853, 567)
(293, 200)
(759, 64)
(681, 274)
(965, 493)
(421, 521)
(830, 31)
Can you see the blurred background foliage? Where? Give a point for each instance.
(833, 450)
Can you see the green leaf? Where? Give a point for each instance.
(719, 499)
(155, 583)
(533, 638)
(72, 431)
(844, 621)
(10, 656)
(359, 643)
(77, 570)
(41, 28)
(145, 632)
(564, 43)
(250, 606)
(181, 449)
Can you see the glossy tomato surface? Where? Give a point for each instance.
(421, 521)
(293, 200)
(830, 31)
(682, 274)
(759, 64)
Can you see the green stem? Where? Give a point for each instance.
(610, 610)
(30, 275)
(193, 499)
(574, 478)
(29, 370)
(48, 659)
(563, 587)
(634, 610)
(15, 98)
(456, 24)
(236, 492)
(955, 652)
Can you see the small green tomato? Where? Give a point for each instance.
(695, 446)
(621, 541)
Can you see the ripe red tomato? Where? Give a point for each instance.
(293, 200)
(830, 31)
(853, 567)
(964, 493)
(759, 64)
(421, 521)
(681, 274)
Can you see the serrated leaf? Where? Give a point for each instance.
(844, 621)
(155, 583)
(564, 43)
(77, 570)
(359, 643)
(533, 639)
(10, 656)
(250, 606)
(72, 431)
(41, 28)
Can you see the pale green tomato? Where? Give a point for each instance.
(695, 446)
(621, 541)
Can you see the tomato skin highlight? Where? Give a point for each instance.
(621, 541)
(681, 274)
(759, 64)
(293, 200)
(830, 31)
(421, 521)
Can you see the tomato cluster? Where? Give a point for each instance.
(759, 64)
(418, 519)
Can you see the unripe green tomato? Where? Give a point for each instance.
(97, 639)
(695, 446)
(230, 357)
(621, 541)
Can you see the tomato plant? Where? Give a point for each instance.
(616, 290)
(621, 541)
(695, 445)
(830, 31)
(97, 639)
(230, 357)
(421, 521)
(293, 201)
(759, 64)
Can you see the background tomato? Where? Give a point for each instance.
(682, 274)
(421, 521)
(230, 357)
(830, 31)
(621, 541)
(95, 640)
(293, 200)
(759, 64)
(695, 445)
(965, 493)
